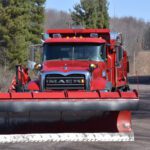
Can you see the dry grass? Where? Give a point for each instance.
(142, 63)
(6, 76)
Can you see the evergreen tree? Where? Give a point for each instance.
(91, 14)
(19, 27)
(36, 25)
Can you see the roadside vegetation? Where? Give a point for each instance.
(21, 24)
(6, 76)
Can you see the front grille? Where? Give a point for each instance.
(61, 82)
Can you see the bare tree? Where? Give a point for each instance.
(146, 38)
(57, 19)
(132, 30)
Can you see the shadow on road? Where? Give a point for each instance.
(139, 80)
(143, 111)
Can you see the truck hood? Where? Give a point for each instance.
(67, 65)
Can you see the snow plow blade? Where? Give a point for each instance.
(67, 116)
(70, 101)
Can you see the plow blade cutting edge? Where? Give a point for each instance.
(67, 137)
(69, 116)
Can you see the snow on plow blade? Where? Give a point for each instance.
(68, 101)
(112, 121)
(68, 137)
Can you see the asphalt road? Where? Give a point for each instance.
(141, 126)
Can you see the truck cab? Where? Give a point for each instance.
(85, 59)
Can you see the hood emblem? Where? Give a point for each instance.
(65, 67)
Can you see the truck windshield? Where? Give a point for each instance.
(74, 52)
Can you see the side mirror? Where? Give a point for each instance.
(31, 64)
(45, 36)
(119, 55)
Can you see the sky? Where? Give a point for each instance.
(118, 8)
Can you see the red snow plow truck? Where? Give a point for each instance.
(81, 91)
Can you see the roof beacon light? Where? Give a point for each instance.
(57, 35)
(94, 35)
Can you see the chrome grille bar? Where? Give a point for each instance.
(68, 80)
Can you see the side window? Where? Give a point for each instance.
(103, 54)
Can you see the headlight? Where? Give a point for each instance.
(92, 67)
(37, 66)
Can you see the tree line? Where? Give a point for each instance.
(23, 21)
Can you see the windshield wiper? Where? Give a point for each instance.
(84, 59)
